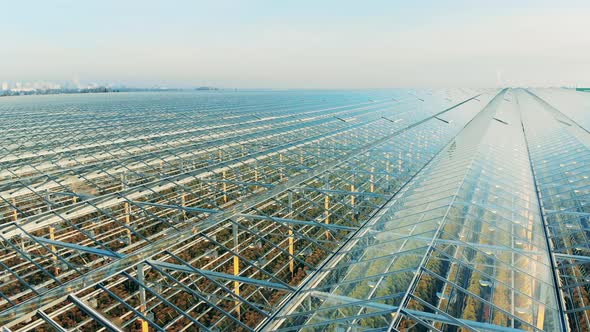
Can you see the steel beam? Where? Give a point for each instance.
(78, 247)
(102, 320)
(219, 275)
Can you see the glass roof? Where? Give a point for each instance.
(409, 210)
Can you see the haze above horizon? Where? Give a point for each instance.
(297, 44)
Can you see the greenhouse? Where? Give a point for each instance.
(369, 210)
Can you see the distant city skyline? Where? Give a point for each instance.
(26, 86)
(303, 44)
(48, 85)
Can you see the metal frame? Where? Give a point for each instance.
(186, 218)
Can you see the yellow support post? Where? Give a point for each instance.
(236, 266)
(15, 211)
(128, 220)
(236, 283)
(541, 316)
(127, 213)
(291, 251)
(291, 239)
(53, 250)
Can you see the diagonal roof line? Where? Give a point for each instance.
(271, 323)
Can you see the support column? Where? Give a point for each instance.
(127, 208)
(53, 250)
(142, 298)
(128, 220)
(291, 239)
(256, 175)
(124, 179)
(14, 211)
(236, 266)
(183, 204)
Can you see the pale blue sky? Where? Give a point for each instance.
(297, 44)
